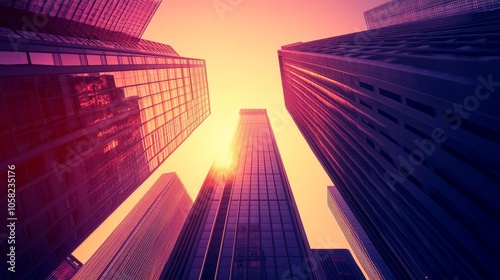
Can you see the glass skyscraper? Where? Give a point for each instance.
(368, 256)
(122, 20)
(405, 11)
(140, 246)
(405, 121)
(244, 224)
(87, 113)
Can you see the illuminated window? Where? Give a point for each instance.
(70, 59)
(41, 58)
(13, 58)
(111, 145)
(94, 59)
(124, 60)
(112, 60)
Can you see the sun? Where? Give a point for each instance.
(224, 159)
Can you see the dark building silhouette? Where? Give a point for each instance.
(140, 246)
(87, 113)
(366, 253)
(406, 11)
(66, 270)
(337, 264)
(405, 121)
(244, 223)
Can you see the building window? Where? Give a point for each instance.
(387, 115)
(11, 58)
(481, 130)
(416, 131)
(368, 123)
(389, 137)
(70, 59)
(387, 157)
(42, 58)
(421, 107)
(390, 94)
(139, 60)
(112, 60)
(124, 60)
(94, 59)
(366, 86)
(365, 104)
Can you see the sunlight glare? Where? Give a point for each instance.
(224, 159)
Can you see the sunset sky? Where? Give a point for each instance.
(239, 40)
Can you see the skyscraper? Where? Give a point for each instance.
(110, 20)
(368, 256)
(405, 121)
(87, 114)
(338, 264)
(406, 11)
(244, 224)
(140, 246)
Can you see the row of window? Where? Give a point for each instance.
(69, 59)
(426, 109)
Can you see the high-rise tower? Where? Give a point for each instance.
(88, 111)
(406, 11)
(244, 224)
(368, 256)
(139, 247)
(405, 121)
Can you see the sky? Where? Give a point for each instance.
(239, 40)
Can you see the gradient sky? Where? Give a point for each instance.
(239, 40)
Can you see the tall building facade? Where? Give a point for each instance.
(368, 256)
(140, 246)
(244, 224)
(85, 120)
(338, 264)
(405, 121)
(406, 11)
(111, 20)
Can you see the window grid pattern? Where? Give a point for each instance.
(365, 115)
(128, 17)
(148, 231)
(252, 229)
(89, 57)
(65, 130)
(66, 270)
(406, 11)
(260, 241)
(363, 248)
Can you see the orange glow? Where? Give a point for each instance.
(224, 159)
(239, 41)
